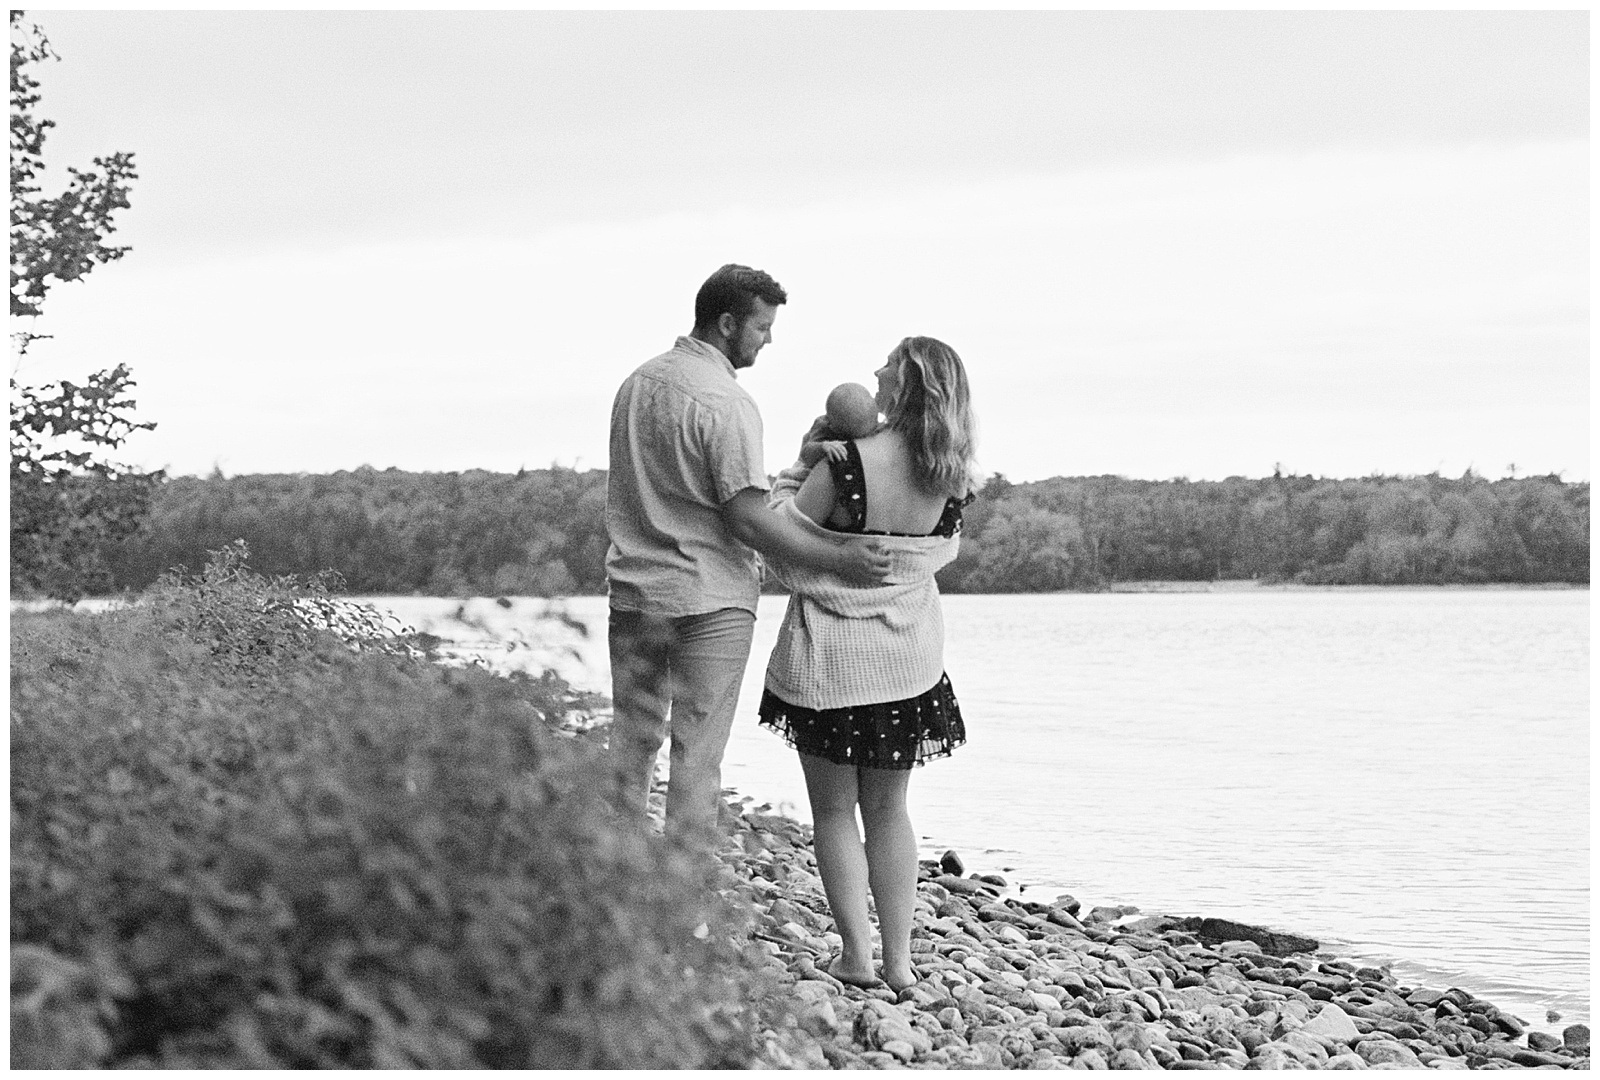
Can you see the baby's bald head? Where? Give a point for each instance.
(852, 412)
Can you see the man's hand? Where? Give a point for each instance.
(752, 523)
(865, 564)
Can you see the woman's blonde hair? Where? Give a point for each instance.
(933, 409)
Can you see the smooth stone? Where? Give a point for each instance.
(819, 1018)
(1064, 918)
(1164, 1056)
(1150, 924)
(1534, 1059)
(987, 1055)
(880, 1022)
(1543, 1040)
(1382, 1051)
(1333, 1023)
(840, 1058)
(900, 1049)
(784, 910)
(1274, 1057)
(1090, 1059)
(1576, 1038)
(1306, 1047)
(950, 863)
(1507, 1023)
(1008, 932)
(1347, 1060)
(961, 885)
(810, 991)
(1067, 902)
(1128, 1059)
(1044, 1002)
(1252, 1038)
(1075, 1040)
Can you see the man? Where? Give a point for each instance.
(686, 511)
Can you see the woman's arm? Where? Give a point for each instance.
(816, 495)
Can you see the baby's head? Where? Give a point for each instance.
(852, 412)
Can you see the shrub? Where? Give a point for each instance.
(238, 842)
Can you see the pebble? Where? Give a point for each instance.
(1018, 984)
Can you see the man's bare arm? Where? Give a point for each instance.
(752, 523)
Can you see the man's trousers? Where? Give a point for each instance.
(677, 675)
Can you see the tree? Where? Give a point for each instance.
(68, 502)
(1027, 548)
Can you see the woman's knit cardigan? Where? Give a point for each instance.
(847, 644)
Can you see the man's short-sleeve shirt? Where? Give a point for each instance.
(685, 438)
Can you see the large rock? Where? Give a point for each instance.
(1532, 1059)
(1271, 942)
(1576, 1038)
(1543, 1040)
(1333, 1023)
(950, 863)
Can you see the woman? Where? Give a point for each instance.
(856, 682)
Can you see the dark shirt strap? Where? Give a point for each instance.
(850, 499)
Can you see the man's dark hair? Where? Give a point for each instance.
(735, 289)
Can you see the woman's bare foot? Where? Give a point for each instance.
(853, 975)
(898, 980)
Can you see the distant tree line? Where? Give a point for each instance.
(534, 533)
(1086, 532)
(542, 531)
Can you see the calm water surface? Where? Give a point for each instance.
(1402, 773)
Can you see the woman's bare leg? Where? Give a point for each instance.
(891, 850)
(842, 863)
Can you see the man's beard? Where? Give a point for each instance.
(737, 356)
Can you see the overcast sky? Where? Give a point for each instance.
(1166, 243)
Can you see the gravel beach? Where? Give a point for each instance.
(1007, 983)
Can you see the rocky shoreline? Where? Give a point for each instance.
(1007, 983)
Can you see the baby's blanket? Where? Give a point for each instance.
(848, 644)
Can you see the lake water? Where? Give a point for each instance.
(1401, 773)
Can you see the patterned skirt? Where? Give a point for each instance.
(884, 735)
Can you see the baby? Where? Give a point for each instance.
(851, 414)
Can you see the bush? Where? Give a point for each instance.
(238, 842)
